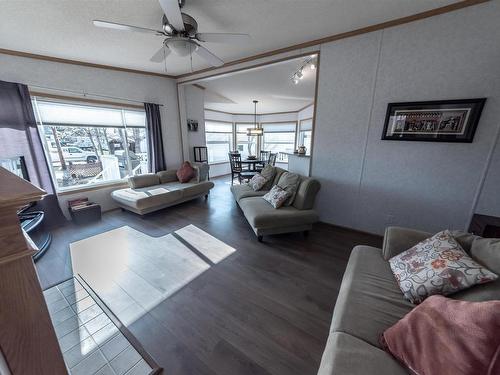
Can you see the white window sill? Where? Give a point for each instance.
(90, 187)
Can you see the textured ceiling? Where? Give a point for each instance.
(271, 85)
(63, 28)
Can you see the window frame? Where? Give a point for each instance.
(65, 190)
(300, 131)
(231, 143)
(295, 132)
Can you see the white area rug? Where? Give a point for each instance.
(133, 272)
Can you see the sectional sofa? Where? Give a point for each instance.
(154, 191)
(370, 301)
(266, 220)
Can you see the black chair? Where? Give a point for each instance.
(264, 155)
(237, 168)
(272, 159)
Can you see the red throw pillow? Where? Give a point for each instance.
(186, 172)
(447, 337)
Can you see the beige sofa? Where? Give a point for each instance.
(370, 301)
(266, 220)
(154, 191)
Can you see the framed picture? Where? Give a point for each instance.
(433, 121)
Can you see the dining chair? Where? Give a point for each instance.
(237, 168)
(264, 155)
(272, 159)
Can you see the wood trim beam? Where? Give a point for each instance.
(258, 65)
(85, 100)
(81, 63)
(364, 30)
(258, 114)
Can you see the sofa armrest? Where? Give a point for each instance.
(397, 240)
(201, 171)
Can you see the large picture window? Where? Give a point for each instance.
(219, 140)
(88, 145)
(279, 138)
(305, 135)
(244, 144)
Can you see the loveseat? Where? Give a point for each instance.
(265, 219)
(370, 301)
(154, 191)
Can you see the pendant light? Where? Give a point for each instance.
(255, 130)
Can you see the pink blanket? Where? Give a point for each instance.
(443, 336)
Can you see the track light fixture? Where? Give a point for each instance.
(299, 73)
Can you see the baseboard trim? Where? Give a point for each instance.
(352, 229)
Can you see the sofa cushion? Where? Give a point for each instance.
(277, 196)
(369, 300)
(487, 252)
(268, 172)
(345, 354)
(290, 183)
(190, 189)
(306, 194)
(147, 197)
(186, 172)
(257, 182)
(167, 176)
(143, 180)
(261, 214)
(398, 239)
(277, 176)
(437, 265)
(245, 191)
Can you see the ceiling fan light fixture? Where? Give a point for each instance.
(181, 46)
(313, 66)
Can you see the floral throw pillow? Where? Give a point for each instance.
(257, 182)
(277, 196)
(437, 265)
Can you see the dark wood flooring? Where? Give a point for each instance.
(266, 309)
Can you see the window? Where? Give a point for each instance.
(305, 135)
(219, 139)
(88, 145)
(279, 138)
(244, 144)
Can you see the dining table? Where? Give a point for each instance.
(252, 163)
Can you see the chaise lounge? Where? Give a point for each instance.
(154, 191)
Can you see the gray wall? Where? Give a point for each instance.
(104, 82)
(368, 183)
(195, 110)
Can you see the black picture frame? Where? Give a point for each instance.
(433, 121)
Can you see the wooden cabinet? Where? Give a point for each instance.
(27, 339)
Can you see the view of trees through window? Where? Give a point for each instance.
(89, 144)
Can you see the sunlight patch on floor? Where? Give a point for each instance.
(133, 272)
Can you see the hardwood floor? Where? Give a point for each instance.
(266, 309)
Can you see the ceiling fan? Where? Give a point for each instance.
(181, 34)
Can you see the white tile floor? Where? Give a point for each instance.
(91, 343)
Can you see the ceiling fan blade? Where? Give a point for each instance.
(208, 56)
(120, 26)
(172, 10)
(223, 37)
(160, 55)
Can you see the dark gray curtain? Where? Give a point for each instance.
(156, 160)
(19, 137)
